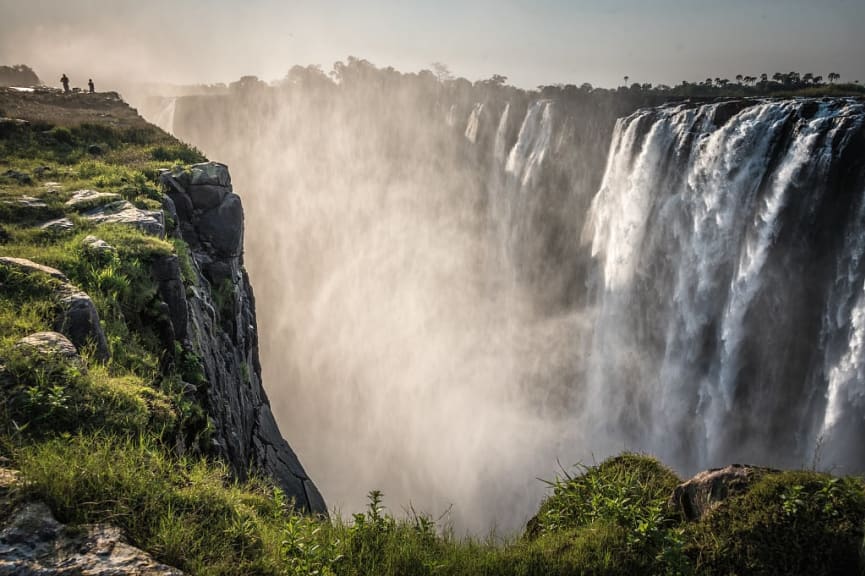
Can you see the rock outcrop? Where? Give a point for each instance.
(77, 317)
(213, 316)
(34, 543)
(694, 498)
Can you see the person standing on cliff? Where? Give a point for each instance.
(90, 85)
(65, 81)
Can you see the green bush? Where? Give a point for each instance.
(787, 523)
(629, 491)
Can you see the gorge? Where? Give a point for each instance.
(459, 286)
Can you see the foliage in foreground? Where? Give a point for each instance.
(609, 519)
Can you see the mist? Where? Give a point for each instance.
(403, 344)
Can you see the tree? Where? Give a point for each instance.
(739, 78)
(818, 79)
(808, 78)
(833, 77)
(764, 77)
(441, 71)
(626, 80)
(586, 87)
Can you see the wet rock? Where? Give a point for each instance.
(694, 498)
(123, 212)
(59, 225)
(34, 543)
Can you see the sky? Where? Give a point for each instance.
(530, 42)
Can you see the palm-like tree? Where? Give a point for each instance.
(833, 76)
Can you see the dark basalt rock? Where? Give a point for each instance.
(215, 320)
(694, 498)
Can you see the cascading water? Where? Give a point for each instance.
(165, 117)
(459, 287)
(707, 331)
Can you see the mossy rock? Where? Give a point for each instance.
(786, 523)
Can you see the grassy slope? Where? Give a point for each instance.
(98, 442)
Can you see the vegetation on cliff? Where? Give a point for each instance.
(119, 435)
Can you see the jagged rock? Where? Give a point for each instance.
(77, 317)
(222, 226)
(206, 196)
(59, 225)
(34, 543)
(97, 245)
(694, 498)
(51, 344)
(222, 330)
(83, 199)
(210, 174)
(123, 212)
(166, 272)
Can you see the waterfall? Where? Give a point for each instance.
(501, 133)
(473, 123)
(532, 143)
(165, 117)
(700, 274)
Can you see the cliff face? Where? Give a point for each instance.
(214, 319)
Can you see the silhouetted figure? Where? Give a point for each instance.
(65, 81)
(90, 85)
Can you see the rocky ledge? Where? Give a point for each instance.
(215, 319)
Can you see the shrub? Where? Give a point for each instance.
(787, 523)
(629, 492)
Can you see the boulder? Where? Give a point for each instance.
(77, 317)
(210, 173)
(79, 320)
(694, 498)
(84, 199)
(49, 344)
(59, 225)
(34, 543)
(122, 212)
(97, 245)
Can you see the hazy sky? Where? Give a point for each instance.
(531, 42)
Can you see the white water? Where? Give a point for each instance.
(684, 224)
